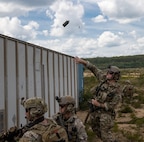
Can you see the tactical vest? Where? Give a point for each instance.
(71, 130)
(50, 132)
(105, 92)
(69, 126)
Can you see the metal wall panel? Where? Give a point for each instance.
(11, 83)
(38, 72)
(65, 76)
(2, 73)
(27, 70)
(51, 83)
(45, 87)
(2, 85)
(56, 79)
(61, 78)
(22, 78)
(31, 84)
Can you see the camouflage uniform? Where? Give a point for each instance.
(73, 125)
(42, 132)
(41, 129)
(128, 90)
(102, 119)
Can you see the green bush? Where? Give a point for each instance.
(126, 109)
(138, 121)
(133, 137)
(136, 104)
(115, 128)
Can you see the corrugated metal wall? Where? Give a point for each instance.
(27, 70)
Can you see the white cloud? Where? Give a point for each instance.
(99, 18)
(122, 11)
(89, 1)
(109, 39)
(66, 10)
(107, 44)
(45, 32)
(13, 27)
(29, 3)
(31, 25)
(10, 26)
(140, 42)
(133, 34)
(93, 31)
(49, 14)
(12, 9)
(22, 7)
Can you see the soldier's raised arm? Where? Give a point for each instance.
(80, 61)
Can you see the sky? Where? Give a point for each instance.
(96, 28)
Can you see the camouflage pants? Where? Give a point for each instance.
(101, 124)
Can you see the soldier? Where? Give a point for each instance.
(41, 129)
(108, 95)
(67, 118)
(128, 91)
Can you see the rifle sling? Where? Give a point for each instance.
(99, 87)
(35, 122)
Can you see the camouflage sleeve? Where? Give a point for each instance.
(124, 89)
(82, 135)
(55, 116)
(30, 136)
(96, 71)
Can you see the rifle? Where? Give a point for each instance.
(60, 122)
(93, 108)
(87, 116)
(14, 133)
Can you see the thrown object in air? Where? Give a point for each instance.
(65, 23)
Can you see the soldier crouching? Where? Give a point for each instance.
(69, 120)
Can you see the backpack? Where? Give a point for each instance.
(51, 132)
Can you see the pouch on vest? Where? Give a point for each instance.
(55, 133)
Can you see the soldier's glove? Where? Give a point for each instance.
(91, 106)
(9, 135)
(12, 133)
(13, 129)
(2, 136)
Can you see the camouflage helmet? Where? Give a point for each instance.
(127, 82)
(115, 71)
(67, 101)
(36, 106)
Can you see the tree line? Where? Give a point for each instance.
(123, 62)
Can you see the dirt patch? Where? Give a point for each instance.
(82, 115)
